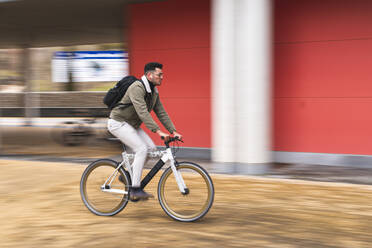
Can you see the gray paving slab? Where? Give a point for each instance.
(35, 144)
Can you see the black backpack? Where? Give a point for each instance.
(115, 94)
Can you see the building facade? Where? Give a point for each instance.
(262, 81)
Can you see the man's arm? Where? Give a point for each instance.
(163, 116)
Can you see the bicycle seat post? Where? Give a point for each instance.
(124, 153)
(126, 161)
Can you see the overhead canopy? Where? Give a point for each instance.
(40, 23)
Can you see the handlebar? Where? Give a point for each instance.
(170, 140)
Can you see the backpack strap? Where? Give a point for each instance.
(147, 95)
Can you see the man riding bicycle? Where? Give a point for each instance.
(133, 109)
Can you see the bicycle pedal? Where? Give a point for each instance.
(134, 200)
(121, 179)
(138, 199)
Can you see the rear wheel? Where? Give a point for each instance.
(197, 199)
(101, 190)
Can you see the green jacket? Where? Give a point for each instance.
(141, 107)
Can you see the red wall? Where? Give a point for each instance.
(323, 89)
(176, 33)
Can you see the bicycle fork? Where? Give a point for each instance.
(179, 179)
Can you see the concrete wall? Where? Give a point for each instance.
(55, 99)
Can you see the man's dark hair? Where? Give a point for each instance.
(152, 66)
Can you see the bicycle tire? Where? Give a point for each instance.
(96, 175)
(199, 186)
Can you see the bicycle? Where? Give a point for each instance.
(187, 196)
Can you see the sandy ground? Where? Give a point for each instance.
(40, 206)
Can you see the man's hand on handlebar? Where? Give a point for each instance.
(163, 135)
(177, 135)
(166, 136)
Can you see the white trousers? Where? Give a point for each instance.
(138, 141)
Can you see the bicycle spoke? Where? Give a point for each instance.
(195, 202)
(107, 201)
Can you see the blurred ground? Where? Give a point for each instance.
(40, 203)
(40, 206)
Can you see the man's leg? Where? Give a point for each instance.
(129, 136)
(145, 138)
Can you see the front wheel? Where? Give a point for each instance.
(102, 192)
(197, 199)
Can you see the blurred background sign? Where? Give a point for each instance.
(89, 66)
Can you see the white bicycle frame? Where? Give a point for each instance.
(165, 155)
